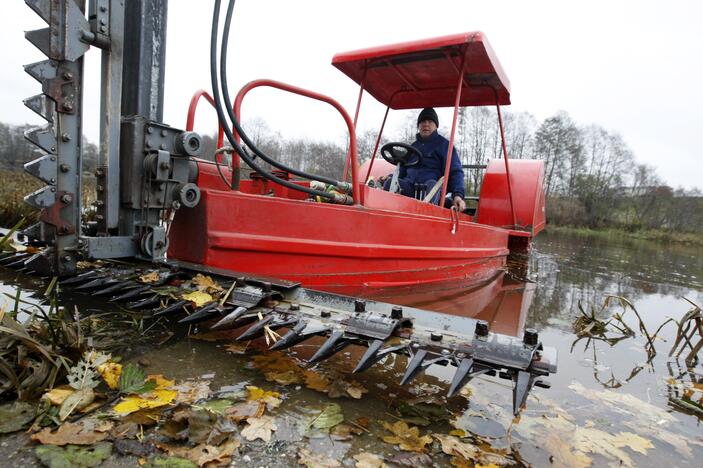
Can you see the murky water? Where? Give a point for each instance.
(606, 402)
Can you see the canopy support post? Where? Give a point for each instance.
(356, 119)
(375, 148)
(505, 158)
(448, 162)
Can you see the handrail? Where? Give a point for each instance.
(356, 194)
(190, 121)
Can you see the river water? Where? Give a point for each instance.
(608, 404)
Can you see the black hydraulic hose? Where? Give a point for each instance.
(225, 94)
(223, 119)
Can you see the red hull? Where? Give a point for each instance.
(389, 241)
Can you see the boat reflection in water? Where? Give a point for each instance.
(503, 300)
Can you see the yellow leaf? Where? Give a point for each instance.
(283, 378)
(458, 433)
(369, 460)
(110, 372)
(453, 446)
(162, 383)
(272, 399)
(205, 283)
(197, 298)
(153, 399)
(59, 394)
(406, 437)
(151, 277)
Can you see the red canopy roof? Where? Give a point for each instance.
(425, 73)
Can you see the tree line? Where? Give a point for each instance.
(592, 178)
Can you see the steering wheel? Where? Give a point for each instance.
(402, 154)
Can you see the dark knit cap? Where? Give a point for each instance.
(428, 113)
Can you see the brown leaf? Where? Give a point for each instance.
(192, 391)
(237, 348)
(412, 460)
(259, 428)
(316, 381)
(203, 454)
(316, 460)
(369, 460)
(151, 277)
(453, 446)
(69, 433)
(341, 388)
(406, 437)
(246, 409)
(206, 283)
(284, 378)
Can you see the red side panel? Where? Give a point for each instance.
(527, 178)
(391, 241)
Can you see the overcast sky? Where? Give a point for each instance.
(634, 67)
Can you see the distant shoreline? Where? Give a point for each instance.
(654, 235)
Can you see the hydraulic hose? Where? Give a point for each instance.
(223, 119)
(225, 94)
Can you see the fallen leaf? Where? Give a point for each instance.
(14, 416)
(341, 387)
(197, 298)
(237, 348)
(57, 395)
(70, 433)
(246, 409)
(562, 454)
(284, 378)
(153, 399)
(453, 446)
(624, 403)
(369, 460)
(170, 462)
(73, 456)
(406, 437)
(110, 372)
(216, 406)
(76, 402)
(316, 381)
(316, 460)
(259, 428)
(135, 448)
(192, 391)
(206, 283)
(329, 417)
(272, 399)
(151, 277)
(344, 431)
(412, 460)
(633, 441)
(203, 454)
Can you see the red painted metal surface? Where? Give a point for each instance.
(423, 73)
(526, 181)
(190, 121)
(319, 97)
(390, 241)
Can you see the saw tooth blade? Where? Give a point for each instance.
(42, 198)
(461, 376)
(42, 71)
(44, 168)
(41, 39)
(414, 366)
(523, 384)
(334, 344)
(43, 137)
(42, 105)
(255, 330)
(41, 8)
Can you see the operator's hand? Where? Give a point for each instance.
(459, 203)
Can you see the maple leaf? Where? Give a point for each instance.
(203, 454)
(206, 283)
(406, 437)
(259, 428)
(316, 381)
(316, 460)
(151, 277)
(197, 298)
(453, 446)
(369, 460)
(70, 433)
(272, 399)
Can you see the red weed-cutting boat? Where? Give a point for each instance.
(365, 237)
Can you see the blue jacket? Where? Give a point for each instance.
(434, 157)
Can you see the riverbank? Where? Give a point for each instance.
(654, 235)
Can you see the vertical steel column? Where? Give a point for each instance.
(142, 96)
(107, 17)
(144, 58)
